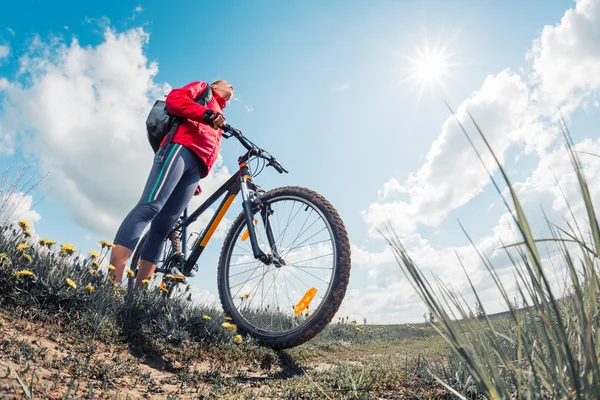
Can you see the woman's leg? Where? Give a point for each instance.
(167, 170)
(166, 218)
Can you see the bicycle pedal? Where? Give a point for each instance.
(178, 274)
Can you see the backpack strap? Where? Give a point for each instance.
(204, 98)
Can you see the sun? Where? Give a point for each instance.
(428, 67)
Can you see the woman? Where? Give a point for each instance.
(178, 166)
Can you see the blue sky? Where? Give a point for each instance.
(322, 86)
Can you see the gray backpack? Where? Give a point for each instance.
(161, 123)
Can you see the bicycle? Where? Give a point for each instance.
(286, 315)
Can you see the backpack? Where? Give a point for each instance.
(161, 123)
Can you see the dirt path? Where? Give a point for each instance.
(51, 361)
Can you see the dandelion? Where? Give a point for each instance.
(244, 296)
(71, 283)
(22, 273)
(50, 243)
(353, 322)
(95, 263)
(188, 287)
(146, 282)
(206, 317)
(24, 224)
(238, 338)
(22, 246)
(154, 275)
(89, 288)
(228, 319)
(130, 273)
(94, 272)
(42, 242)
(111, 267)
(27, 234)
(106, 244)
(94, 254)
(142, 307)
(165, 290)
(231, 327)
(67, 249)
(27, 257)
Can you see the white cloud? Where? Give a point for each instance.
(11, 31)
(564, 56)
(4, 51)
(15, 206)
(83, 116)
(452, 174)
(340, 87)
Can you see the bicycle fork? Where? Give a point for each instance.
(251, 201)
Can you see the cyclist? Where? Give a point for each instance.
(174, 178)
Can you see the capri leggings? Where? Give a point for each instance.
(173, 179)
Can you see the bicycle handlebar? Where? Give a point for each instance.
(252, 148)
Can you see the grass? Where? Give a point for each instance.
(547, 349)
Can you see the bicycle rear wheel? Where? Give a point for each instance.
(285, 306)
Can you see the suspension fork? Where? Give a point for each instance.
(249, 203)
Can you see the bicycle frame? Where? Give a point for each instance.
(241, 181)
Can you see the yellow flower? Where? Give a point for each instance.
(205, 317)
(95, 263)
(89, 288)
(24, 224)
(68, 249)
(71, 283)
(94, 254)
(130, 272)
(50, 243)
(238, 338)
(27, 234)
(42, 242)
(23, 272)
(154, 275)
(229, 326)
(105, 244)
(142, 307)
(163, 289)
(111, 267)
(22, 246)
(146, 282)
(228, 319)
(244, 296)
(26, 257)
(94, 272)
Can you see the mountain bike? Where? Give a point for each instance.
(280, 287)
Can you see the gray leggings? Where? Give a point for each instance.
(173, 179)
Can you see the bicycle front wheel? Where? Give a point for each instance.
(286, 305)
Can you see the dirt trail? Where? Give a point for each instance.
(95, 369)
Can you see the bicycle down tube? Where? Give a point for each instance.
(236, 183)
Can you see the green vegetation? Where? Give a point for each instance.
(549, 348)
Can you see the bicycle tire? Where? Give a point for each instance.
(332, 300)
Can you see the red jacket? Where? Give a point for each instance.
(193, 133)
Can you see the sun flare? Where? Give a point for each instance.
(428, 67)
